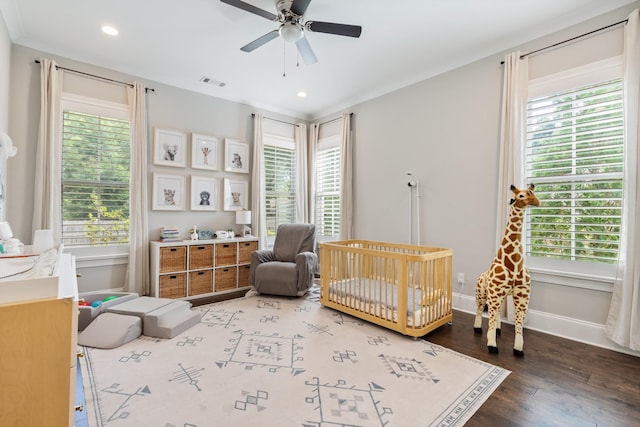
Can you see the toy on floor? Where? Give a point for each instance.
(507, 275)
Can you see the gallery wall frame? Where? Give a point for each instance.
(204, 193)
(170, 148)
(236, 156)
(205, 152)
(169, 192)
(236, 195)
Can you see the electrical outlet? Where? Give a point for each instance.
(460, 278)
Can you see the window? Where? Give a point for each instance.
(95, 173)
(280, 183)
(328, 188)
(574, 155)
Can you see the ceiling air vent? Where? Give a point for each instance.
(212, 81)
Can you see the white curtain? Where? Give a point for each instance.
(48, 180)
(623, 321)
(259, 214)
(314, 134)
(302, 173)
(512, 133)
(346, 176)
(137, 279)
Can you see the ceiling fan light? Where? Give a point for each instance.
(290, 32)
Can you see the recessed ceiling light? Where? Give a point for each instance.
(302, 94)
(108, 29)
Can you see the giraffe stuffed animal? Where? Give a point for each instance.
(507, 275)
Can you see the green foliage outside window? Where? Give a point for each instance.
(95, 180)
(575, 157)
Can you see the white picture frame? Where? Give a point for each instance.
(168, 192)
(236, 156)
(170, 148)
(236, 197)
(204, 193)
(204, 152)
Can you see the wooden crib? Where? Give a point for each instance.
(406, 288)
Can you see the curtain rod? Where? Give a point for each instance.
(524, 55)
(332, 120)
(58, 67)
(253, 115)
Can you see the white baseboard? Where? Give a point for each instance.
(553, 324)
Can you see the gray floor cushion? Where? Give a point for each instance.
(161, 317)
(88, 313)
(110, 330)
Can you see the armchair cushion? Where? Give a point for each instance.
(292, 239)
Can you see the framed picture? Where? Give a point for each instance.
(168, 192)
(236, 197)
(236, 156)
(204, 193)
(170, 148)
(204, 152)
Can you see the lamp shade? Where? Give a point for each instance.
(243, 217)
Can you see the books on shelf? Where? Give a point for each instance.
(169, 234)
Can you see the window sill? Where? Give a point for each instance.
(577, 280)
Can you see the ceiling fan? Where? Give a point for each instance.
(290, 16)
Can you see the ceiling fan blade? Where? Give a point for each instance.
(260, 41)
(299, 7)
(306, 52)
(333, 28)
(251, 8)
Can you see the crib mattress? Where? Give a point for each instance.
(380, 299)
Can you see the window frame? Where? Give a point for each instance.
(327, 143)
(580, 274)
(94, 256)
(286, 143)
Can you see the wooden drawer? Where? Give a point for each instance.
(173, 285)
(243, 275)
(200, 256)
(173, 258)
(200, 282)
(226, 254)
(225, 278)
(244, 251)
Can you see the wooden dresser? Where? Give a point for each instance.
(38, 349)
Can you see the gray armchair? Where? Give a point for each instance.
(289, 268)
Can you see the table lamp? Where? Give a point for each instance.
(243, 218)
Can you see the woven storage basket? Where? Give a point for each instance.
(226, 254)
(243, 275)
(200, 256)
(244, 251)
(200, 282)
(225, 278)
(173, 285)
(173, 258)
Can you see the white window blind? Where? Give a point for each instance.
(280, 188)
(328, 192)
(574, 156)
(95, 180)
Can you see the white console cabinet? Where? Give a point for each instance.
(198, 268)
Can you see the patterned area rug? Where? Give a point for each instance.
(269, 361)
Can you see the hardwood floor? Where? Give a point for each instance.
(558, 382)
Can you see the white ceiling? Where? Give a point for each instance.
(178, 42)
